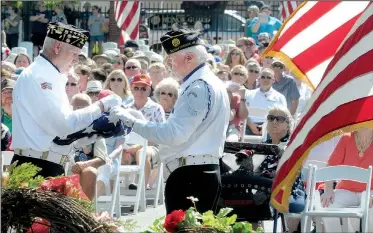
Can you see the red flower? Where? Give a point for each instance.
(172, 220)
(39, 226)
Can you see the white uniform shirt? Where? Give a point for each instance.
(305, 94)
(41, 109)
(264, 100)
(199, 122)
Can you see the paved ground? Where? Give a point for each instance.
(144, 219)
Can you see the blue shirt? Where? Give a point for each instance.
(273, 25)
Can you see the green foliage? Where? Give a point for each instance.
(242, 227)
(23, 176)
(157, 226)
(220, 221)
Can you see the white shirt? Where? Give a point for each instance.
(41, 109)
(264, 100)
(152, 111)
(199, 122)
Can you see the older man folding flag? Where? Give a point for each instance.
(41, 109)
(342, 102)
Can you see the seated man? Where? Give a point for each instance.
(141, 88)
(88, 158)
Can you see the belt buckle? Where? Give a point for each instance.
(182, 162)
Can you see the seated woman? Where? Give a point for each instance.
(166, 94)
(279, 127)
(353, 149)
(90, 157)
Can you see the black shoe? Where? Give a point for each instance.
(132, 186)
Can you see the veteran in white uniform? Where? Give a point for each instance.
(41, 109)
(194, 134)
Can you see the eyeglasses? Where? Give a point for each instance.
(239, 74)
(266, 77)
(93, 94)
(236, 54)
(254, 71)
(7, 92)
(239, 46)
(71, 84)
(132, 68)
(119, 80)
(268, 57)
(140, 88)
(276, 65)
(115, 62)
(169, 94)
(279, 119)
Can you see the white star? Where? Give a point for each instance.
(89, 129)
(113, 119)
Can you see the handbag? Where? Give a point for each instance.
(104, 28)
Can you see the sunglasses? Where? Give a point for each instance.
(119, 80)
(71, 84)
(115, 62)
(277, 66)
(93, 94)
(266, 77)
(236, 54)
(140, 88)
(279, 119)
(132, 68)
(267, 57)
(239, 74)
(254, 71)
(169, 94)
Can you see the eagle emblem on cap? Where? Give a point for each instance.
(143, 77)
(175, 42)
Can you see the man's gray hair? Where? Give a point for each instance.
(169, 83)
(83, 97)
(199, 51)
(286, 112)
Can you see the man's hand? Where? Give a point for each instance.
(371, 202)
(78, 167)
(327, 198)
(123, 115)
(111, 101)
(86, 141)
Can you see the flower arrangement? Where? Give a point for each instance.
(192, 221)
(49, 203)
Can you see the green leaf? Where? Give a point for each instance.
(224, 212)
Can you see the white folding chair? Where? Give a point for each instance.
(260, 113)
(139, 200)
(334, 173)
(110, 197)
(307, 175)
(6, 158)
(109, 45)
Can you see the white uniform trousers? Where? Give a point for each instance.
(343, 199)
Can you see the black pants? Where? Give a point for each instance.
(48, 169)
(200, 181)
(12, 40)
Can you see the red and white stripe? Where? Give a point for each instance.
(286, 9)
(344, 98)
(309, 39)
(127, 16)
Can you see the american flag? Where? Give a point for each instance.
(306, 45)
(105, 126)
(341, 103)
(286, 9)
(127, 16)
